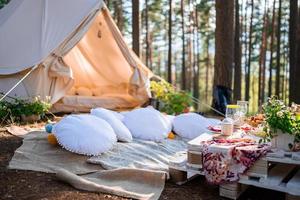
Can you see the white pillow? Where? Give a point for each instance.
(72, 91)
(170, 119)
(147, 124)
(111, 117)
(84, 91)
(191, 125)
(117, 115)
(96, 92)
(84, 134)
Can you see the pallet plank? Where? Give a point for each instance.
(293, 185)
(277, 174)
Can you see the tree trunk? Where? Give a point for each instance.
(293, 30)
(247, 88)
(207, 68)
(136, 27)
(183, 73)
(271, 52)
(262, 59)
(245, 43)
(170, 44)
(224, 43)
(237, 55)
(196, 59)
(296, 82)
(277, 89)
(147, 34)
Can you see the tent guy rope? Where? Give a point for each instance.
(18, 83)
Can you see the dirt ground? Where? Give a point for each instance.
(18, 184)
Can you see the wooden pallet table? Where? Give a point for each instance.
(180, 172)
(274, 172)
(279, 171)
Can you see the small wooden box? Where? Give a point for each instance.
(194, 159)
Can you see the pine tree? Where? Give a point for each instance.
(237, 55)
(293, 44)
(183, 69)
(278, 64)
(170, 43)
(136, 27)
(224, 43)
(247, 89)
(271, 51)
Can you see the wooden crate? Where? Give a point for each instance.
(274, 173)
(178, 176)
(281, 177)
(194, 159)
(180, 172)
(259, 169)
(291, 197)
(279, 172)
(232, 190)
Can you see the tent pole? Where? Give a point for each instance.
(18, 83)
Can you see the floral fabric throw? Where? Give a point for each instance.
(225, 159)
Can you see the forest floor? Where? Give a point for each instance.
(19, 184)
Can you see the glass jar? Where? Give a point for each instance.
(231, 111)
(227, 127)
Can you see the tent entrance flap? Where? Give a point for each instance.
(105, 68)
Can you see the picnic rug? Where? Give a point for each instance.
(133, 170)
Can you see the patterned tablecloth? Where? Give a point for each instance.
(225, 159)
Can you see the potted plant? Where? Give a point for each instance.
(31, 111)
(177, 102)
(160, 91)
(282, 124)
(168, 100)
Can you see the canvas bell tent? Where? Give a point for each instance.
(71, 51)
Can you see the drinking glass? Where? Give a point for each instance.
(242, 111)
(243, 107)
(232, 112)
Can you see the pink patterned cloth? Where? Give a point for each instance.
(225, 159)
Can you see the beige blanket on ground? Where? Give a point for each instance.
(37, 154)
(129, 183)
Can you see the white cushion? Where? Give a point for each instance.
(113, 118)
(118, 115)
(84, 134)
(147, 124)
(72, 91)
(170, 119)
(96, 92)
(191, 125)
(84, 91)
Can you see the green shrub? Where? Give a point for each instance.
(12, 111)
(3, 3)
(278, 116)
(173, 102)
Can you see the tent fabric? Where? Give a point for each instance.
(81, 48)
(98, 62)
(30, 29)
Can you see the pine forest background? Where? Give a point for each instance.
(250, 46)
(261, 47)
